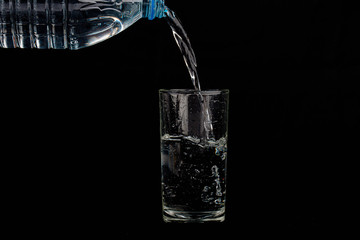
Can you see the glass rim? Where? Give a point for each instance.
(193, 91)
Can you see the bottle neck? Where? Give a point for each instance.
(153, 9)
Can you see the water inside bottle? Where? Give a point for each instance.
(187, 51)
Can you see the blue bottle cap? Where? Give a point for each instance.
(152, 10)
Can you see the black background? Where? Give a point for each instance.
(82, 129)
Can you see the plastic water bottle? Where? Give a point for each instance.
(72, 24)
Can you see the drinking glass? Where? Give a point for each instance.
(194, 130)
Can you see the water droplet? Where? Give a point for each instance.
(217, 152)
(206, 189)
(214, 170)
(218, 201)
(206, 198)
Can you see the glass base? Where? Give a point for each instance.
(170, 215)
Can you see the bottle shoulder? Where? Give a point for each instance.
(90, 22)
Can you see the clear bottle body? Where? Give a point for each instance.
(62, 24)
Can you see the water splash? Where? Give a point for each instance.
(215, 173)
